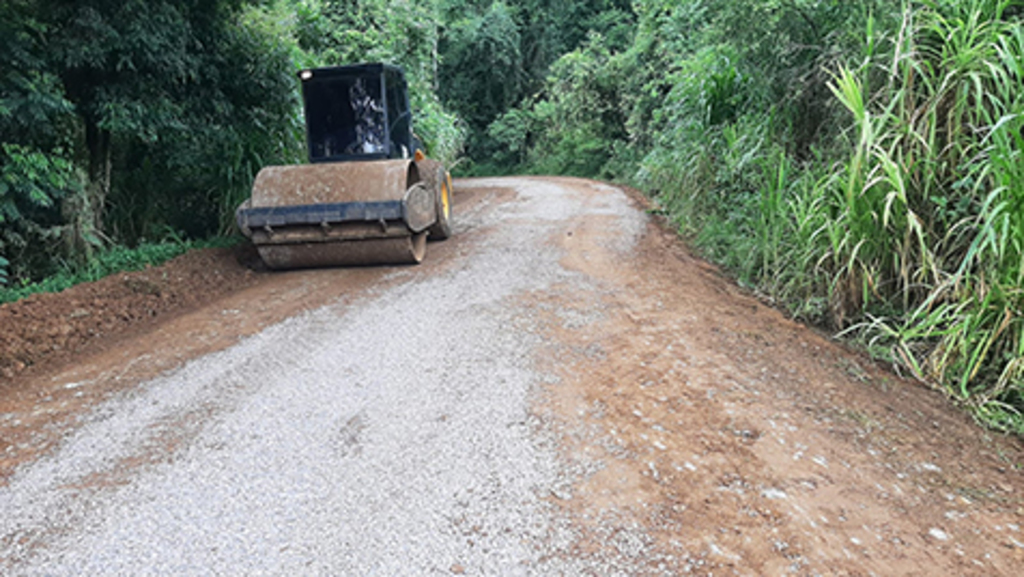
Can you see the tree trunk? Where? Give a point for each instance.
(98, 141)
(83, 212)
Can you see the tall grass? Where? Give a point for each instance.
(933, 205)
(907, 232)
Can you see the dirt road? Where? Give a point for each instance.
(560, 389)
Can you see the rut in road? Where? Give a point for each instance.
(559, 389)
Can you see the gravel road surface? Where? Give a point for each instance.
(392, 435)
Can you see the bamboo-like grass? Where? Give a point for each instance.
(929, 208)
(908, 232)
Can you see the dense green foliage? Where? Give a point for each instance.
(495, 55)
(123, 119)
(858, 163)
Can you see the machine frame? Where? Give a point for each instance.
(320, 90)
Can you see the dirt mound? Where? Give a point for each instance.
(48, 328)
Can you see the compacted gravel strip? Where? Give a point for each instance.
(393, 436)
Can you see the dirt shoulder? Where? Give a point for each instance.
(745, 442)
(47, 329)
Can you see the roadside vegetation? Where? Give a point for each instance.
(856, 163)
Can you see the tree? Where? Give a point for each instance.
(125, 65)
(497, 56)
(121, 119)
(36, 165)
(481, 73)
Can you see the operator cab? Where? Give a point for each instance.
(358, 112)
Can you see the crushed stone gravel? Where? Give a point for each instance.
(393, 436)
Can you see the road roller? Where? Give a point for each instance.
(368, 196)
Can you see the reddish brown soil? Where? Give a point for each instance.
(749, 444)
(50, 328)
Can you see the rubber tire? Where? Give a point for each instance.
(436, 178)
